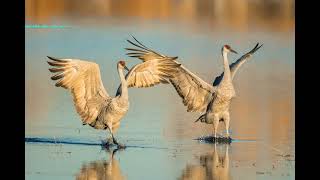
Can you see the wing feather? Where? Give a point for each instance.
(155, 69)
(150, 73)
(83, 79)
(195, 92)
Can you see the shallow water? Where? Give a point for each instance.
(158, 130)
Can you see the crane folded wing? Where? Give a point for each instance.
(83, 79)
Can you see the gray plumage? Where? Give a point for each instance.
(92, 102)
(199, 96)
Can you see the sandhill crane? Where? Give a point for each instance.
(211, 165)
(92, 102)
(102, 169)
(199, 96)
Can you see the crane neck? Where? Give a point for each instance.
(124, 87)
(226, 74)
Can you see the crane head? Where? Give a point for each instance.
(122, 64)
(227, 48)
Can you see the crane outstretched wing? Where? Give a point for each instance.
(150, 73)
(195, 92)
(154, 69)
(83, 79)
(144, 53)
(236, 65)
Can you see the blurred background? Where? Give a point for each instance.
(274, 15)
(96, 30)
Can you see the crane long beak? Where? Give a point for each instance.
(126, 68)
(233, 51)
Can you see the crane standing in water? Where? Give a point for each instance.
(199, 96)
(95, 106)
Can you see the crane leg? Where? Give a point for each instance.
(109, 126)
(227, 124)
(115, 127)
(114, 141)
(215, 126)
(120, 146)
(110, 138)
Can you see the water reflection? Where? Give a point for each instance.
(101, 169)
(212, 165)
(194, 31)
